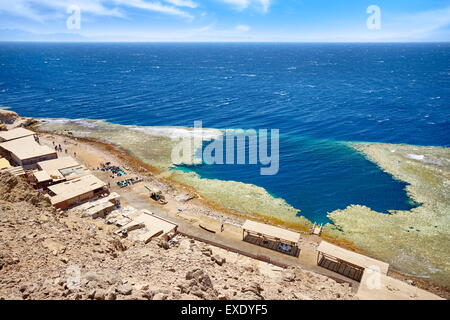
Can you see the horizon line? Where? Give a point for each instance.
(211, 42)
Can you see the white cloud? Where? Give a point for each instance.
(27, 8)
(183, 3)
(263, 5)
(153, 6)
(243, 28)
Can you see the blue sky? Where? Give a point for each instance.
(230, 20)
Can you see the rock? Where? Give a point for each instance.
(207, 251)
(91, 294)
(160, 296)
(143, 287)
(8, 117)
(124, 289)
(218, 259)
(289, 276)
(100, 294)
(253, 287)
(92, 276)
(111, 295)
(54, 246)
(148, 295)
(222, 297)
(301, 296)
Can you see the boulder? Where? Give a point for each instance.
(8, 116)
(124, 289)
(218, 259)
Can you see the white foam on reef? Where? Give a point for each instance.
(418, 157)
(154, 146)
(180, 133)
(80, 122)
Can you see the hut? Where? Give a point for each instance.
(346, 262)
(271, 237)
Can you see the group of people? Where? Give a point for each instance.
(58, 147)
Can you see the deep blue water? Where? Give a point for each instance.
(316, 94)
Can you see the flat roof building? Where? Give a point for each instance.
(346, 262)
(14, 134)
(66, 194)
(42, 177)
(271, 237)
(26, 152)
(63, 169)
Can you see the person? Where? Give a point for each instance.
(222, 228)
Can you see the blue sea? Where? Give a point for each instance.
(318, 95)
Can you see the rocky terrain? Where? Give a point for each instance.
(10, 119)
(47, 254)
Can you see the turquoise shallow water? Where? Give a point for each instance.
(315, 94)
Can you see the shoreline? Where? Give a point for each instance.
(218, 213)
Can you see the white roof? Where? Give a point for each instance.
(352, 257)
(63, 168)
(26, 148)
(71, 189)
(15, 134)
(381, 287)
(42, 176)
(271, 231)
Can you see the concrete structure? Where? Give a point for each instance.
(346, 262)
(271, 237)
(101, 207)
(62, 169)
(147, 226)
(26, 152)
(14, 134)
(15, 171)
(66, 194)
(376, 286)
